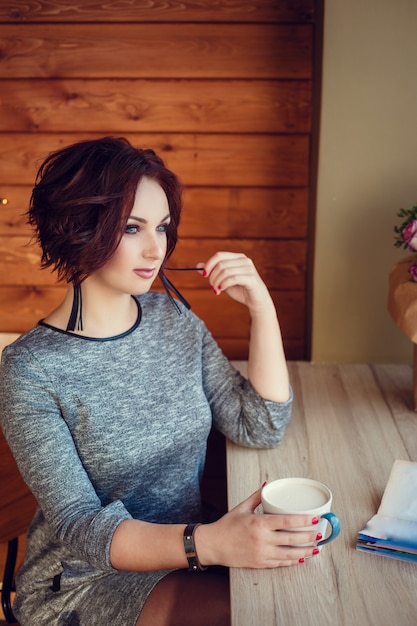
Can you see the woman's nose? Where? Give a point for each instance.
(153, 248)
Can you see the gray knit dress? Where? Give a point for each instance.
(109, 429)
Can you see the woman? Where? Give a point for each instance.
(107, 404)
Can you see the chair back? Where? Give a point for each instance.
(17, 504)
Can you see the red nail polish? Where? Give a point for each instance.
(301, 560)
(219, 288)
(319, 536)
(315, 520)
(316, 551)
(204, 273)
(213, 289)
(265, 483)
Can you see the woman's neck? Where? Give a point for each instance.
(101, 317)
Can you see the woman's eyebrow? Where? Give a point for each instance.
(143, 221)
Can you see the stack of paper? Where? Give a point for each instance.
(393, 530)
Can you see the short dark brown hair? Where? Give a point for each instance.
(83, 197)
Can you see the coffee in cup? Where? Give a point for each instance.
(306, 497)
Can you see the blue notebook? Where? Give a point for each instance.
(392, 531)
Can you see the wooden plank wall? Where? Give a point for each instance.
(222, 90)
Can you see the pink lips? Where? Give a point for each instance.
(145, 272)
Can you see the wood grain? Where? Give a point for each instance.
(12, 215)
(156, 11)
(118, 105)
(223, 91)
(238, 348)
(350, 422)
(214, 160)
(252, 51)
(208, 212)
(242, 211)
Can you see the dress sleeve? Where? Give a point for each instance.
(239, 412)
(47, 458)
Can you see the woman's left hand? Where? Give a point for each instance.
(237, 275)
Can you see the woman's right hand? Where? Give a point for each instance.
(242, 538)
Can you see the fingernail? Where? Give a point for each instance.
(315, 520)
(213, 289)
(219, 288)
(316, 551)
(319, 536)
(265, 483)
(204, 273)
(301, 560)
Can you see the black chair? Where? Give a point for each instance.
(17, 506)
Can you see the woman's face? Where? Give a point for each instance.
(142, 249)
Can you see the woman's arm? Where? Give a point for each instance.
(237, 276)
(240, 538)
(267, 368)
(142, 546)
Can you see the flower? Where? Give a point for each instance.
(406, 235)
(407, 231)
(409, 234)
(413, 271)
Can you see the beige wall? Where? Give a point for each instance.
(367, 171)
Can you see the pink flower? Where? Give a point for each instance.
(413, 271)
(409, 234)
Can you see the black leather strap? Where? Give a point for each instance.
(194, 564)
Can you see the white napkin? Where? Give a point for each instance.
(393, 530)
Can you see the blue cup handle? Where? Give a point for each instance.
(335, 524)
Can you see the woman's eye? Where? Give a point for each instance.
(131, 229)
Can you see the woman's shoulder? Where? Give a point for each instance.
(24, 359)
(28, 338)
(31, 342)
(158, 304)
(165, 320)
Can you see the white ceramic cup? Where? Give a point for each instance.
(303, 496)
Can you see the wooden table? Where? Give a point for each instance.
(349, 424)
